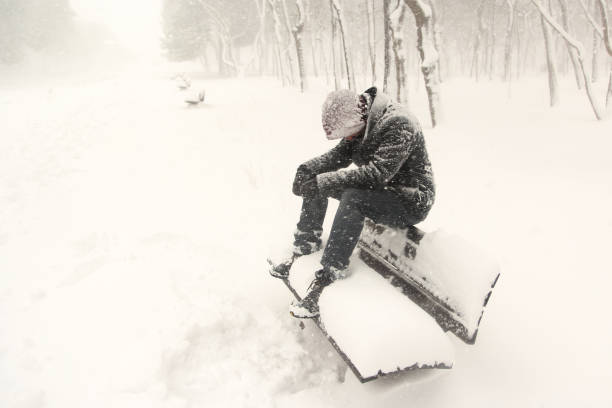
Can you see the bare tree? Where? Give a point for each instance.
(334, 58)
(287, 50)
(279, 43)
(437, 35)
(595, 50)
(396, 23)
(297, 30)
(491, 40)
(508, 46)
(570, 50)
(579, 54)
(428, 53)
(387, 33)
(339, 13)
(369, 7)
(606, 26)
(604, 33)
(609, 93)
(478, 41)
(553, 84)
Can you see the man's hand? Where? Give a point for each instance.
(302, 175)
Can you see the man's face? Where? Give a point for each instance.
(347, 132)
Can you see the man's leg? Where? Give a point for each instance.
(307, 237)
(382, 206)
(310, 226)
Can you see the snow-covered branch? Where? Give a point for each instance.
(557, 27)
(589, 17)
(579, 53)
(606, 25)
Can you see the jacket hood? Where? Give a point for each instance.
(377, 110)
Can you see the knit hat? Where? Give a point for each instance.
(343, 114)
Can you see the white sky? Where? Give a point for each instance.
(135, 23)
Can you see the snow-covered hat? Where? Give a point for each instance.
(343, 114)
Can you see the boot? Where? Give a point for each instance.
(308, 307)
(305, 244)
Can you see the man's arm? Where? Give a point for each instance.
(395, 148)
(337, 158)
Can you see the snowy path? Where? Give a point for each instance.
(134, 232)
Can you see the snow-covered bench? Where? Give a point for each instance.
(379, 330)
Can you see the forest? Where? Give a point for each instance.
(396, 43)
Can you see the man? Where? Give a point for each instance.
(392, 184)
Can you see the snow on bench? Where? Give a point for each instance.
(444, 274)
(373, 326)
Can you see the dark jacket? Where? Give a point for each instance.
(391, 154)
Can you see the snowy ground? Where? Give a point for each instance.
(134, 232)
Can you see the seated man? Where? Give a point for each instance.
(392, 184)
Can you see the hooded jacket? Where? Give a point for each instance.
(390, 154)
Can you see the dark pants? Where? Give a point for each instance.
(381, 206)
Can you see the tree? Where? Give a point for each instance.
(508, 46)
(396, 23)
(387, 46)
(348, 60)
(33, 25)
(186, 29)
(423, 16)
(604, 34)
(576, 45)
(553, 83)
(481, 33)
(369, 7)
(297, 30)
(570, 50)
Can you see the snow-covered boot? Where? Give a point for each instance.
(308, 307)
(281, 264)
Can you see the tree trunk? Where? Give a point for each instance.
(579, 54)
(609, 93)
(475, 68)
(323, 59)
(595, 58)
(517, 34)
(437, 39)
(508, 47)
(570, 50)
(606, 26)
(369, 6)
(287, 50)
(396, 22)
(297, 31)
(279, 44)
(492, 41)
(387, 29)
(313, 53)
(333, 47)
(429, 56)
(345, 43)
(553, 86)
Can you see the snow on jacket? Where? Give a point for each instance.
(391, 154)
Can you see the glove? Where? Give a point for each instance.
(302, 175)
(310, 188)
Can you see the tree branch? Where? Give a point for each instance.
(591, 19)
(606, 25)
(571, 40)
